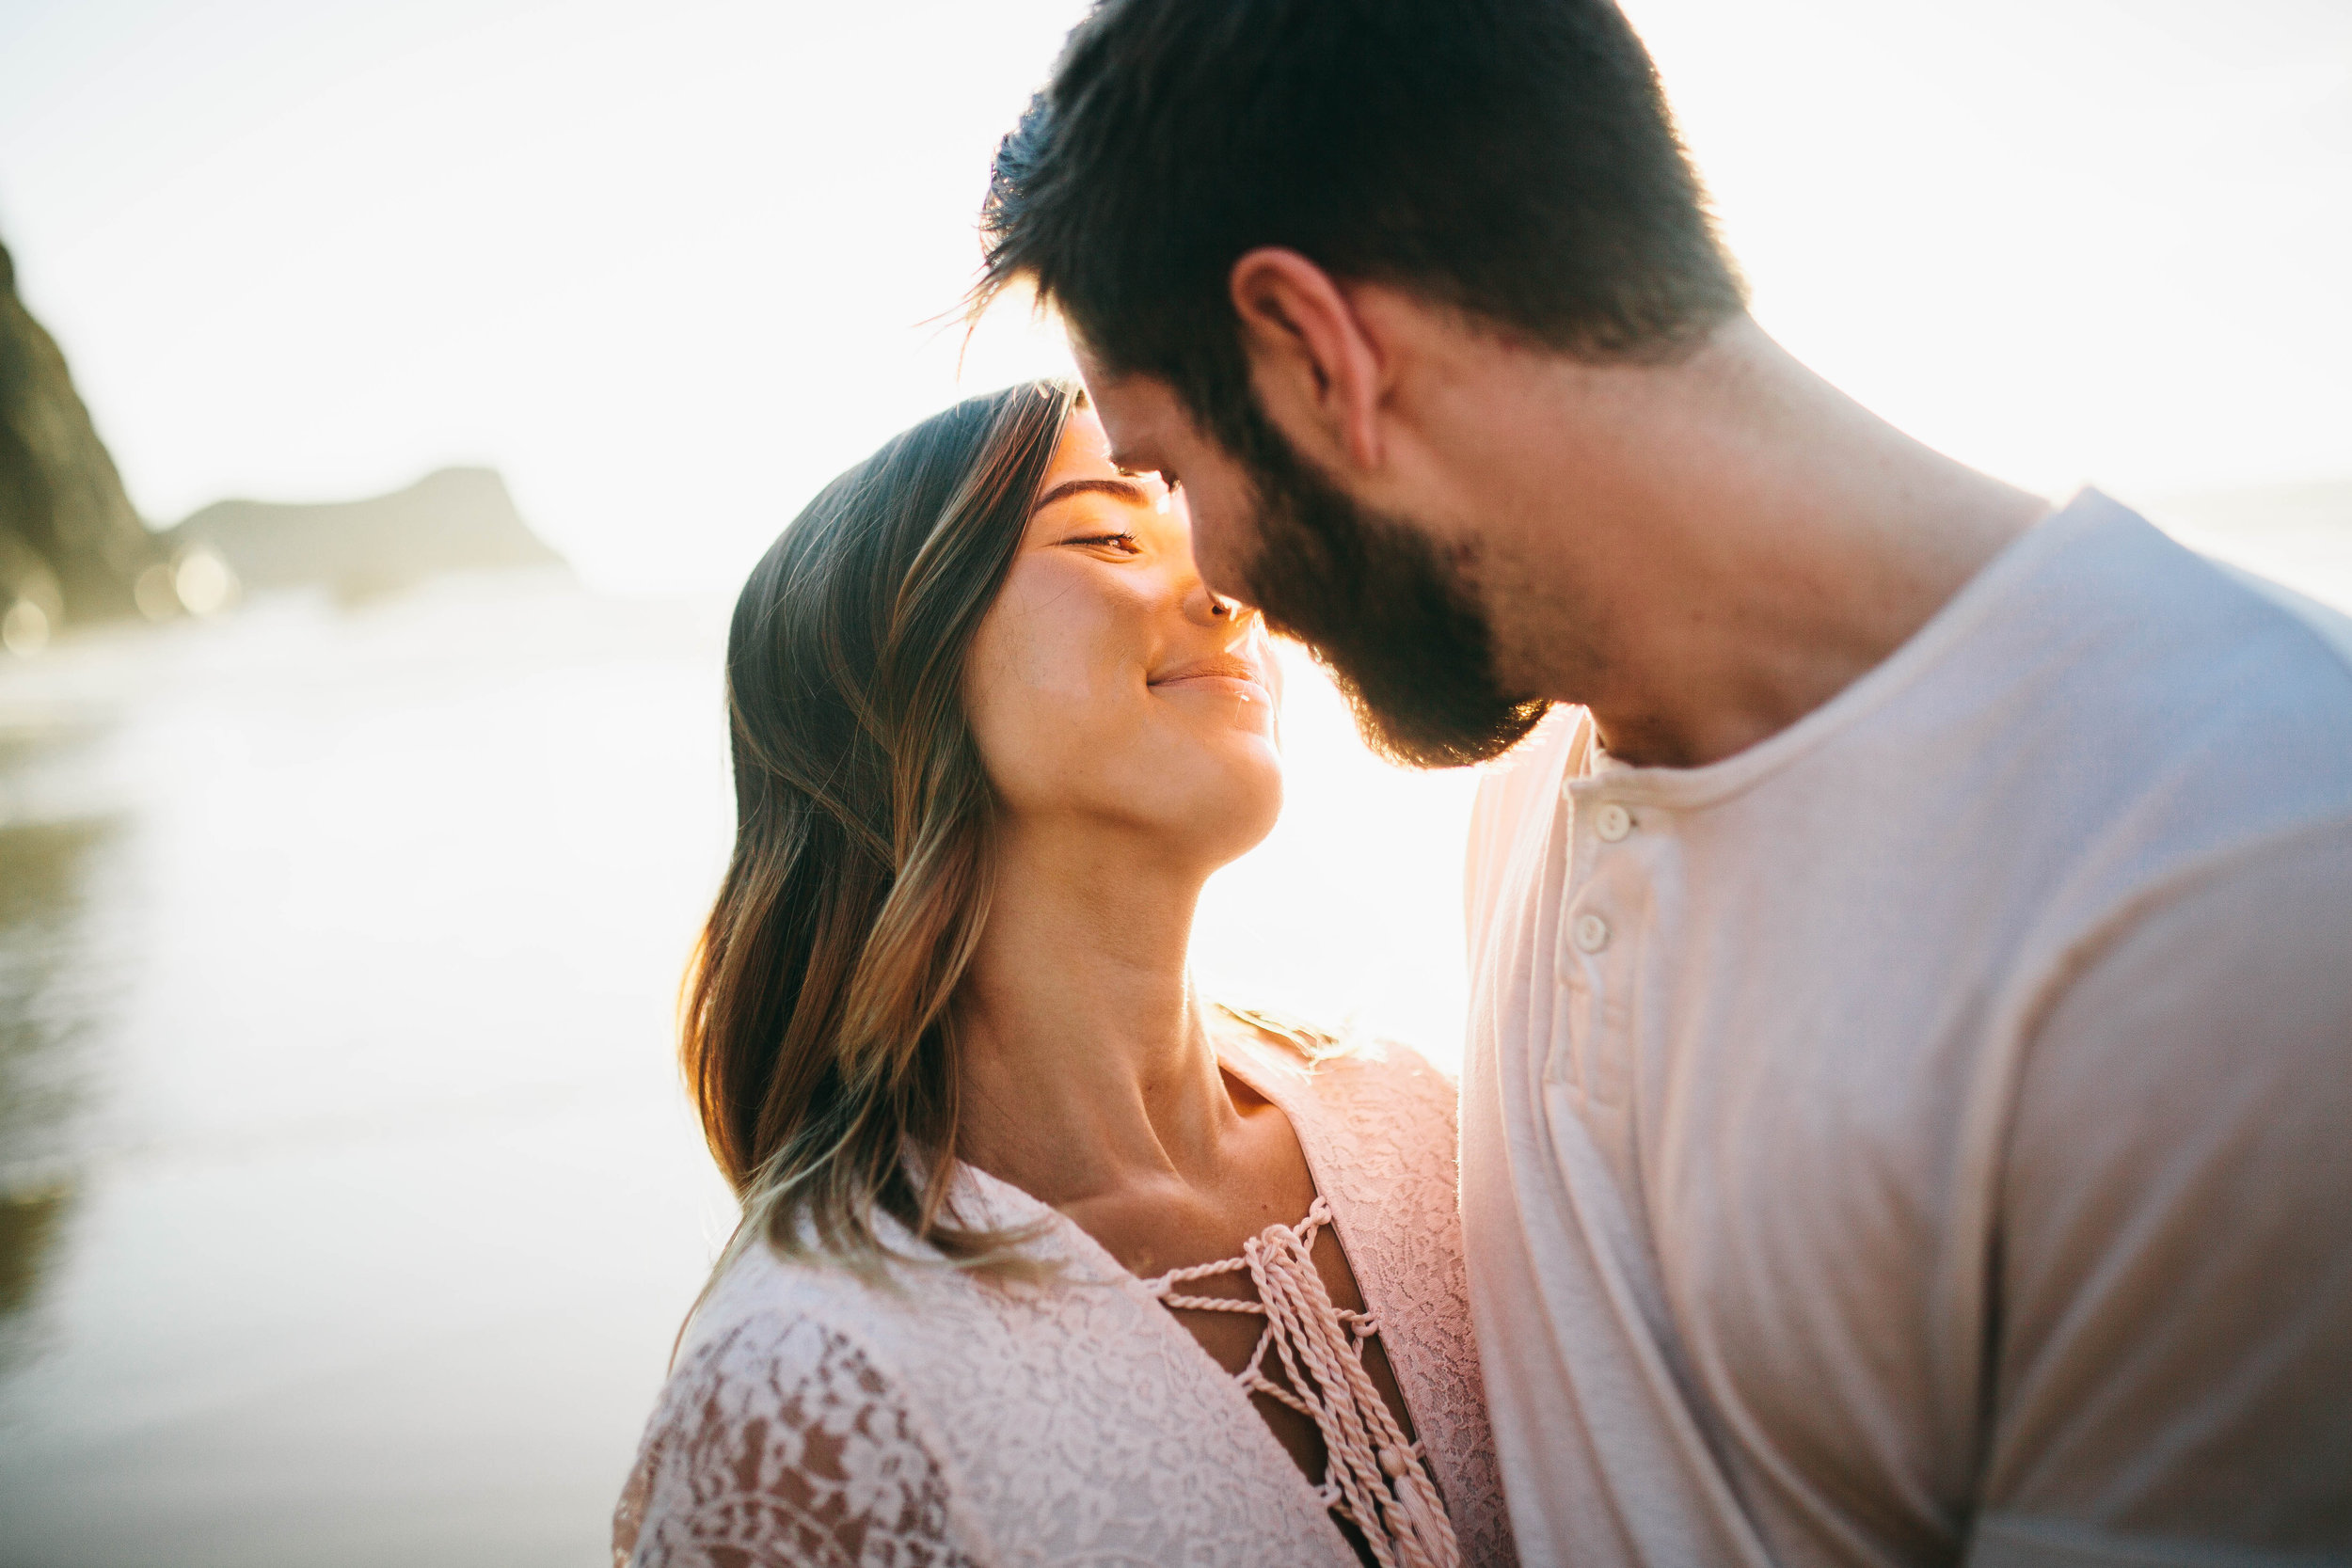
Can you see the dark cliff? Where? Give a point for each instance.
(69, 542)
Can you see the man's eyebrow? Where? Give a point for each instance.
(1125, 489)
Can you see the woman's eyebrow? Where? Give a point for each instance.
(1125, 489)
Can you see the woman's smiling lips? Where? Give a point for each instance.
(1228, 675)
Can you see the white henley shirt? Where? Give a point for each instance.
(1926, 1136)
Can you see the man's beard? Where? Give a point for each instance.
(1383, 610)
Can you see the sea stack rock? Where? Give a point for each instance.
(456, 520)
(71, 548)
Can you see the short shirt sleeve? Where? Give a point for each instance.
(779, 1444)
(2173, 1332)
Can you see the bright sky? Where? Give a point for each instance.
(670, 267)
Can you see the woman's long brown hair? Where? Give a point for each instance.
(817, 1040)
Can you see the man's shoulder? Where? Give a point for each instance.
(2328, 651)
(2235, 680)
(2183, 628)
(2136, 719)
(2128, 681)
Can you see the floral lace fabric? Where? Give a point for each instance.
(814, 1419)
(799, 1453)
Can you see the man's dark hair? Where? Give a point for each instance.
(1512, 158)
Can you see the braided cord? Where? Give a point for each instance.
(1372, 1476)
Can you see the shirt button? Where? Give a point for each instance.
(1613, 822)
(1591, 933)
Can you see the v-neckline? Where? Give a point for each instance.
(1109, 1270)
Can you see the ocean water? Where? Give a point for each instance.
(348, 1202)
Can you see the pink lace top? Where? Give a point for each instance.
(813, 1418)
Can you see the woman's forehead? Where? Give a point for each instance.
(1082, 465)
(1084, 451)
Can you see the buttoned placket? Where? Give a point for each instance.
(1592, 962)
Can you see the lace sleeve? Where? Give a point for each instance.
(780, 1446)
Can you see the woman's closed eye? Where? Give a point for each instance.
(1119, 543)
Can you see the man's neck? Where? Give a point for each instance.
(1703, 553)
(1084, 1061)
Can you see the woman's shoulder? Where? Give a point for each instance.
(1381, 1099)
(906, 1306)
(1337, 1068)
(782, 1388)
(756, 1339)
(763, 1300)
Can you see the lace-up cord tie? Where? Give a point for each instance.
(1372, 1476)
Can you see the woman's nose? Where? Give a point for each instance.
(1205, 607)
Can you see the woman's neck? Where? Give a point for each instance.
(1084, 1062)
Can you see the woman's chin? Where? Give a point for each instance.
(1238, 825)
(1226, 795)
(1245, 750)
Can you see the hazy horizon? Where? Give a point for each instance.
(667, 271)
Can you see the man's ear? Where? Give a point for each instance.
(1317, 370)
